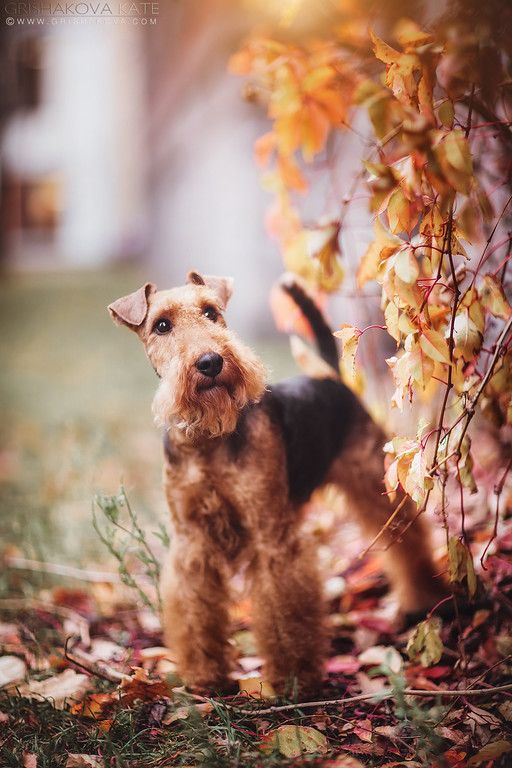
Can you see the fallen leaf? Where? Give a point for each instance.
(29, 760)
(65, 688)
(382, 656)
(94, 705)
(506, 710)
(363, 730)
(256, 686)
(84, 761)
(140, 687)
(12, 670)
(182, 713)
(490, 752)
(295, 740)
(343, 761)
(347, 665)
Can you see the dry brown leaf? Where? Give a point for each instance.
(490, 752)
(141, 687)
(181, 713)
(294, 741)
(65, 688)
(84, 761)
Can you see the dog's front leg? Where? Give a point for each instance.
(195, 613)
(288, 615)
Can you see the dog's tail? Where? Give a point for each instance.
(322, 332)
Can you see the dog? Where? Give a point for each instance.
(241, 461)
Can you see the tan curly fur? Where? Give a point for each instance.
(230, 513)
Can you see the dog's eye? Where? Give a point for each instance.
(211, 314)
(162, 326)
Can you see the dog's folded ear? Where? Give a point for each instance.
(131, 310)
(221, 286)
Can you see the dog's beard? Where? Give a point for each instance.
(209, 408)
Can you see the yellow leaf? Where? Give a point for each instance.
(256, 686)
(291, 174)
(455, 160)
(383, 51)
(383, 246)
(391, 317)
(406, 265)
(467, 337)
(295, 740)
(425, 644)
(493, 297)
(434, 345)
(408, 33)
(400, 215)
(315, 126)
(466, 467)
(457, 151)
(318, 77)
(350, 339)
(460, 564)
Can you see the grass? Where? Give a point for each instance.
(76, 405)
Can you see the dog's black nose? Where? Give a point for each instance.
(210, 364)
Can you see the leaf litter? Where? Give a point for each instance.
(109, 695)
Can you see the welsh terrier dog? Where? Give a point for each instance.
(242, 459)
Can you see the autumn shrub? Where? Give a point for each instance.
(436, 167)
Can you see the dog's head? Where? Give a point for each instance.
(207, 374)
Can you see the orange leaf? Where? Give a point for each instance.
(383, 51)
(263, 148)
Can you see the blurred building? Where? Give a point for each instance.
(123, 141)
(72, 150)
(130, 142)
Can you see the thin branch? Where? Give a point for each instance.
(498, 490)
(69, 571)
(384, 527)
(381, 695)
(97, 668)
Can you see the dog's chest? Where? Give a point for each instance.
(238, 476)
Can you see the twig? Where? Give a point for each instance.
(382, 694)
(498, 490)
(384, 527)
(69, 571)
